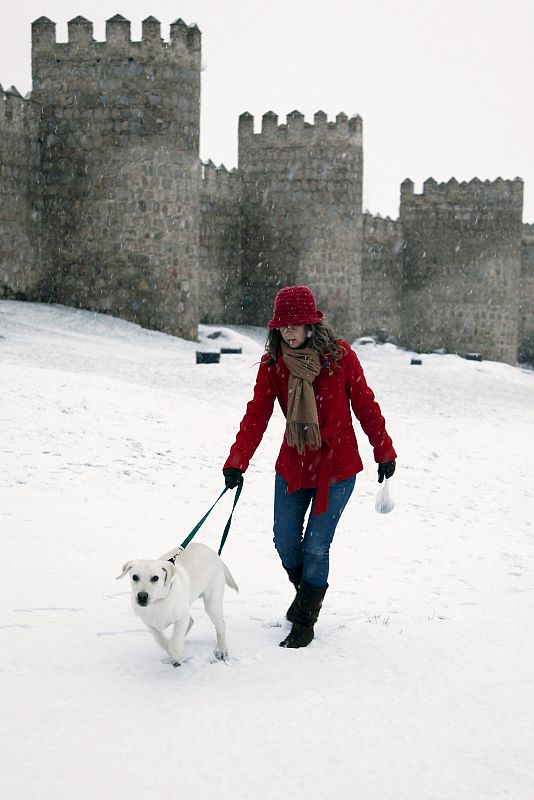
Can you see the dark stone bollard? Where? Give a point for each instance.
(208, 358)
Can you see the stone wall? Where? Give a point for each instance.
(20, 206)
(526, 297)
(104, 204)
(302, 223)
(382, 277)
(120, 168)
(462, 263)
(220, 245)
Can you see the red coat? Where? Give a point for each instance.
(336, 390)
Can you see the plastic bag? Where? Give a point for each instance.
(384, 502)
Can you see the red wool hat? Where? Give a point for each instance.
(295, 305)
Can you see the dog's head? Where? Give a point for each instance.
(150, 580)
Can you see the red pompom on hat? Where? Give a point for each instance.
(295, 305)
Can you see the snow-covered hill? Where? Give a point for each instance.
(419, 684)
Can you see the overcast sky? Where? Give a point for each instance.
(444, 86)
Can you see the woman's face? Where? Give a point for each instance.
(294, 335)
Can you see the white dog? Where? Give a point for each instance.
(162, 594)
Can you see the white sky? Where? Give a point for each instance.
(444, 86)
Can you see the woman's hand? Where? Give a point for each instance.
(232, 477)
(385, 470)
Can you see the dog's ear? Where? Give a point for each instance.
(125, 568)
(170, 571)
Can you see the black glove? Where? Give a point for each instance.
(232, 477)
(385, 470)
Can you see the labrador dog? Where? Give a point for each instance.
(162, 594)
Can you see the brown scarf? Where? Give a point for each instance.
(302, 426)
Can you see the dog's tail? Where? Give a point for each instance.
(228, 578)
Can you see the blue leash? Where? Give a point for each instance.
(197, 527)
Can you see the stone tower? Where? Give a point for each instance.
(120, 169)
(462, 266)
(302, 213)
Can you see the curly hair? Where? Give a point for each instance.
(323, 339)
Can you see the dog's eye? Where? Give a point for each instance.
(135, 578)
(154, 579)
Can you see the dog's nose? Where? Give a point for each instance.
(142, 598)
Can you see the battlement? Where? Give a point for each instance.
(376, 226)
(296, 131)
(184, 43)
(219, 181)
(528, 233)
(473, 192)
(16, 112)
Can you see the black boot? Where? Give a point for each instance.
(307, 603)
(294, 574)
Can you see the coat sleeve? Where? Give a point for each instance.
(254, 423)
(367, 410)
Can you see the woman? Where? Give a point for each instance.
(316, 378)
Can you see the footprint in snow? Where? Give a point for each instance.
(52, 608)
(4, 627)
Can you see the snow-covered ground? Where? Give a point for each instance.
(420, 682)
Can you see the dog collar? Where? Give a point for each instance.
(173, 558)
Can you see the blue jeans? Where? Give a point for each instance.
(311, 549)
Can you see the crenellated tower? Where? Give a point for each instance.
(302, 217)
(462, 265)
(120, 169)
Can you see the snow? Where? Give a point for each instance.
(419, 683)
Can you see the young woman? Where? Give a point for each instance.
(316, 378)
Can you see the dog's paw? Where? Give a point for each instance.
(172, 661)
(220, 655)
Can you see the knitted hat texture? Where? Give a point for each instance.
(295, 305)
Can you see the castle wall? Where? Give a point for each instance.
(20, 206)
(302, 222)
(462, 263)
(120, 169)
(526, 297)
(220, 246)
(104, 204)
(382, 277)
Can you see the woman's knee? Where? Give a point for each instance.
(289, 553)
(316, 552)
